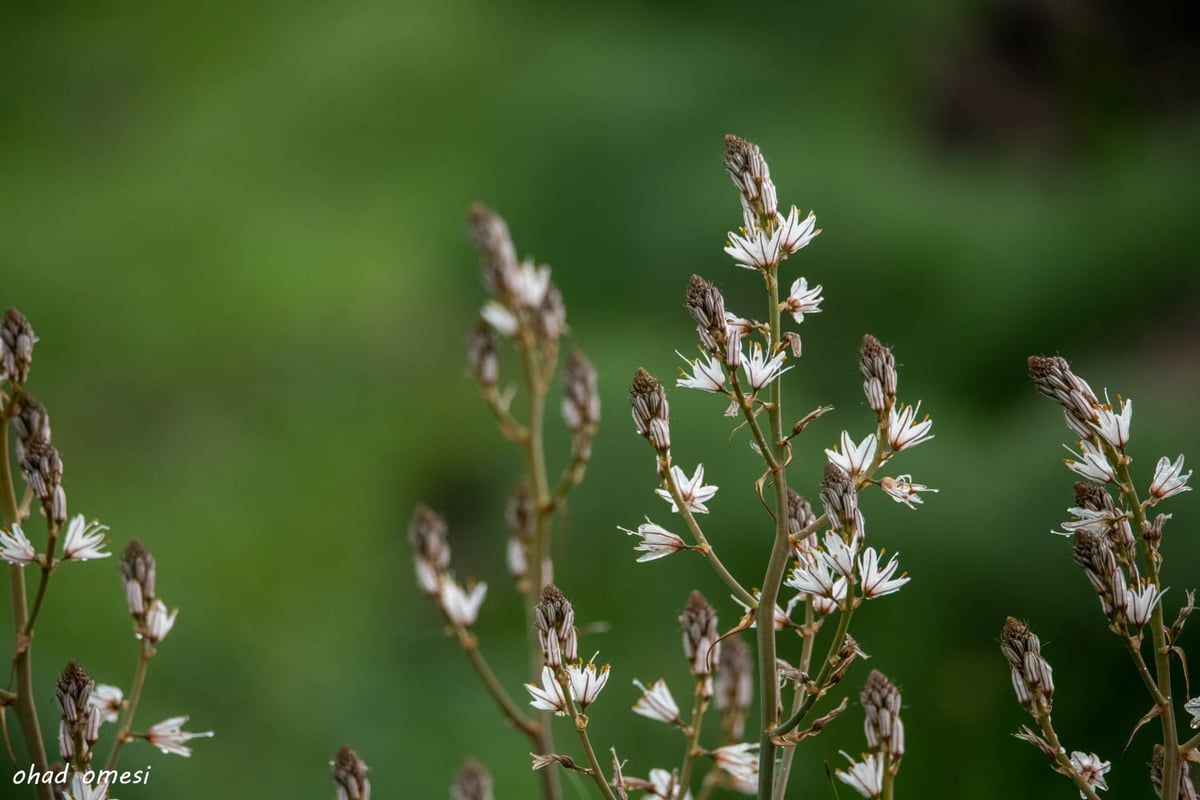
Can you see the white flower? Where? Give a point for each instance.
(781, 617)
(15, 547)
(656, 542)
(708, 377)
(803, 300)
(84, 540)
(761, 370)
(1113, 427)
(1091, 463)
(81, 790)
(903, 490)
(795, 233)
(1091, 769)
(739, 760)
(657, 703)
(586, 682)
(665, 784)
(839, 554)
(877, 581)
(1091, 520)
(549, 696)
(865, 777)
(854, 459)
(529, 284)
(108, 699)
(1169, 479)
(159, 621)
(903, 431)
(1193, 707)
(1140, 602)
(499, 317)
(754, 249)
(514, 557)
(168, 737)
(693, 490)
(814, 577)
(462, 607)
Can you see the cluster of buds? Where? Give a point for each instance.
(152, 620)
(523, 297)
(885, 739)
(733, 687)
(431, 556)
(474, 783)
(16, 347)
(79, 726)
(349, 773)
(839, 496)
(580, 404)
(40, 461)
(701, 638)
(651, 412)
(554, 619)
(1032, 677)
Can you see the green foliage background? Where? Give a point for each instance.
(238, 230)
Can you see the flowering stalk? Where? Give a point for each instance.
(22, 666)
(125, 721)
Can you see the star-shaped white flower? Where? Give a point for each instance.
(80, 789)
(1169, 479)
(1113, 426)
(854, 459)
(694, 491)
(500, 318)
(903, 490)
(168, 737)
(586, 681)
(15, 547)
(159, 621)
(754, 248)
(657, 541)
(903, 429)
(548, 696)
(529, 284)
(108, 699)
(795, 233)
(865, 777)
(1091, 769)
(803, 300)
(1140, 602)
(761, 370)
(739, 760)
(462, 607)
(1193, 707)
(84, 540)
(878, 581)
(1091, 463)
(815, 577)
(708, 374)
(839, 553)
(657, 703)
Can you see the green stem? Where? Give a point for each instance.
(1162, 653)
(693, 743)
(664, 470)
(22, 658)
(535, 458)
(889, 779)
(125, 722)
(835, 646)
(581, 722)
(1190, 745)
(806, 651)
(776, 567)
(470, 646)
(1064, 763)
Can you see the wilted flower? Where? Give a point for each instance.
(1091, 769)
(656, 542)
(903, 490)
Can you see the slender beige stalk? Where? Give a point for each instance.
(1064, 762)
(806, 651)
(47, 571)
(699, 705)
(470, 646)
(581, 723)
(535, 457)
(835, 646)
(125, 721)
(1158, 631)
(889, 779)
(768, 685)
(22, 659)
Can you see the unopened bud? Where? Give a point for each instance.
(581, 398)
(474, 783)
(428, 535)
(138, 572)
(878, 367)
(701, 639)
(498, 256)
(481, 352)
(554, 618)
(651, 413)
(16, 347)
(349, 774)
(748, 169)
(883, 727)
(1032, 677)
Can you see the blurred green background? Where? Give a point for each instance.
(239, 231)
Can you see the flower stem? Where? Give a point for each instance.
(470, 646)
(693, 743)
(25, 704)
(1064, 763)
(839, 639)
(1162, 652)
(125, 723)
(806, 651)
(581, 722)
(768, 685)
